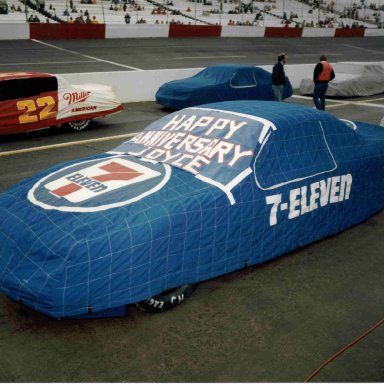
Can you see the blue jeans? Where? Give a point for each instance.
(278, 92)
(319, 95)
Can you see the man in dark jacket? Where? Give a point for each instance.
(322, 75)
(278, 77)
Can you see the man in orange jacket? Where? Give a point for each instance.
(322, 75)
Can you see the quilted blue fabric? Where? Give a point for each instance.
(220, 83)
(200, 193)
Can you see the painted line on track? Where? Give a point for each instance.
(51, 62)
(86, 56)
(360, 48)
(330, 100)
(63, 145)
(208, 57)
(338, 103)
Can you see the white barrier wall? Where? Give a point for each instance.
(238, 31)
(129, 31)
(156, 30)
(20, 30)
(318, 32)
(14, 31)
(374, 32)
(132, 86)
(135, 86)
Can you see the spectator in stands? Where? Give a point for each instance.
(127, 18)
(322, 75)
(278, 77)
(94, 20)
(79, 20)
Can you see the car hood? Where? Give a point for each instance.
(177, 88)
(59, 257)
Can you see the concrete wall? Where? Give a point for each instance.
(181, 30)
(132, 86)
(14, 31)
(130, 31)
(63, 31)
(374, 32)
(318, 32)
(236, 31)
(135, 86)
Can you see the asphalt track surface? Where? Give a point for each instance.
(276, 322)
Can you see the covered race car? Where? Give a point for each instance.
(197, 194)
(30, 101)
(352, 80)
(220, 83)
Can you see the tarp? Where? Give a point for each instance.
(219, 83)
(185, 201)
(80, 99)
(352, 79)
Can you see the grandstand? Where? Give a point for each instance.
(251, 14)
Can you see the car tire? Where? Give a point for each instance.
(79, 125)
(166, 300)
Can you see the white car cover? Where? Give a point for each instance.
(352, 79)
(80, 99)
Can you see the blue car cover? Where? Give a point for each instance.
(220, 83)
(197, 194)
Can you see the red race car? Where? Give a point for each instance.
(30, 101)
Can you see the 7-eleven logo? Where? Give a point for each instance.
(99, 179)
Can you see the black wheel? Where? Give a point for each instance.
(166, 300)
(79, 125)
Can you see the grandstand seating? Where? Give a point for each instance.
(331, 13)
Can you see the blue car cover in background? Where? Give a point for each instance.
(220, 83)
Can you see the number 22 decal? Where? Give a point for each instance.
(31, 115)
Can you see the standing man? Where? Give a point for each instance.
(278, 77)
(322, 75)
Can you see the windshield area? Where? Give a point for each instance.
(243, 79)
(26, 87)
